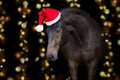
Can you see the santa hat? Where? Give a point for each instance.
(49, 16)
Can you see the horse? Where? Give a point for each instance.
(78, 37)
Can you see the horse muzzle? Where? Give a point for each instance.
(51, 57)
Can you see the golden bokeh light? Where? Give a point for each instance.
(2, 74)
(18, 55)
(1, 3)
(42, 33)
(118, 9)
(47, 77)
(10, 78)
(109, 12)
(110, 69)
(3, 60)
(118, 42)
(41, 0)
(106, 11)
(38, 6)
(43, 49)
(103, 17)
(42, 55)
(18, 69)
(118, 15)
(24, 16)
(102, 74)
(41, 40)
(21, 44)
(19, 9)
(25, 3)
(48, 5)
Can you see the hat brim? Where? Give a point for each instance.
(54, 21)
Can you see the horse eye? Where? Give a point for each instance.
(57, 28)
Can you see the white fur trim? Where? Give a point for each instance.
(53, 21)
(39, 28)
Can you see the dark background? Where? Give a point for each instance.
(11, 33)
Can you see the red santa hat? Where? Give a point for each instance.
(49, 15)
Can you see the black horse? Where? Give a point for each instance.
(79, 39)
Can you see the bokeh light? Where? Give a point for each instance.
(25, 9)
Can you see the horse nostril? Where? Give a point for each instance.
(50, 57)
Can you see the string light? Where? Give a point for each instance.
(73, 3)
(22, 53)
(4, 18)
(108, 25)
(41, 40)
(45, 64)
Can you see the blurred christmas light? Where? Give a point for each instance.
(47, 63)
(107, 26)
(102, 7)
(40, 32)
(109, 43)
(4, 18)
(47, 77)
(10, 78)
(17, 55)
(22, 60)
(53, 77)
(73, 3)
(1, 74)
(42, 55)
(18, 69)
(41, 1)
(43, 49)
(113, 3)
(106, 11)
(110, 53)
(118, 42)
(41, 40)
(25, 3)
(38, 6)
(37, 59)
(103, 17)
(110, 70)
(22, 54)
(118, 9)
(102, 74)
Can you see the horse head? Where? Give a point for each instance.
(53, 19)
(54, 33)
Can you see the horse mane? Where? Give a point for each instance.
(68, 14)
(78, 24)
(77, 17)
(74, 11)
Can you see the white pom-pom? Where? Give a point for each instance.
(39, 28)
